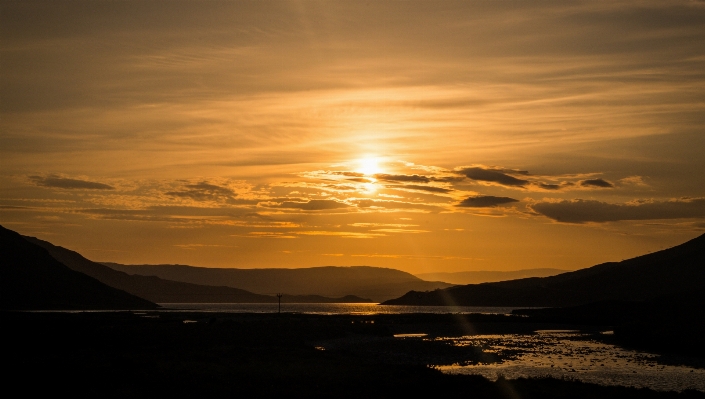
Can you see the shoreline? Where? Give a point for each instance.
(176, 353)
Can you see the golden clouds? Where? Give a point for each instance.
(148, 122)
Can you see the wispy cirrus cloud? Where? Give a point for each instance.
(203, 191)
(401, 225)
(416, 187)
(192, 247)
(344, 234)
(404, 178)
(267, 234)
(311, 205)
(398, 230)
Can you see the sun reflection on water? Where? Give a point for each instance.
(571, 354)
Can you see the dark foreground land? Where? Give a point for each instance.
(158, 354)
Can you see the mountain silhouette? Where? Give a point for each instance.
(487, 276)
(662, 273)
(165, 291)
(31, 279)
(376, 283)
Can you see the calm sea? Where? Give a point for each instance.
(329, 308)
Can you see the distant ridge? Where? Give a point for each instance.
(487, 276)
(376, 283)
(31, 279)
(164, 291)
(667, 272)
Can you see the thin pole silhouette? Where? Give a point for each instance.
(279, 296)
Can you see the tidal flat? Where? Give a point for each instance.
(580, 356)
(158, 354)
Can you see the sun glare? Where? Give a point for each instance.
(369, 166)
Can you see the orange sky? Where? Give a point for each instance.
(423, 136)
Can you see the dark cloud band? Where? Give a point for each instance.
(596, 183)
(485, 201)
(70, 184)
(313, 205)
(430, 189)
(583, 211)
(492, 176)
(203, 191)
(403, 178)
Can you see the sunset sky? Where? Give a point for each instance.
(423, 136)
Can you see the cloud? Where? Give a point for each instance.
(198, 246)
(140, 215)
(203, 191)
(430, 189)
(493, 176)
(13, 207)
(348, 174)
(191, 215)
(382, 225)
(312, 205)
(54, 181)
(485, 201)
(401, 231)
(344, 234)
(552, 186)
(266, 234)
(388, 204)
(549, 186)
(634, 181)
(403, 178)
(339, 187)
(403, 256)
(582, 211)
(596, 183)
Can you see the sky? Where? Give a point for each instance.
(424, 136)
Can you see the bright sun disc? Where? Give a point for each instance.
(369, 166)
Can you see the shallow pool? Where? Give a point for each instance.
(572, 354)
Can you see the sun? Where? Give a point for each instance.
(368, 166)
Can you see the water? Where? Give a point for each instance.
(572, 354)
(330, 308)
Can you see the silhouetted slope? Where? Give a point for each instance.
(667, 272)
(31, 279)
(673, 323)
(364, 281)
(487, 276)
(164, 291)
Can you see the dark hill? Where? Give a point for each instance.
(487, 276)
(164, 291)
(672, 323)
(663, 273)
(376, 283)
(31, 279)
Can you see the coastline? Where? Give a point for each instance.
(155, 353)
